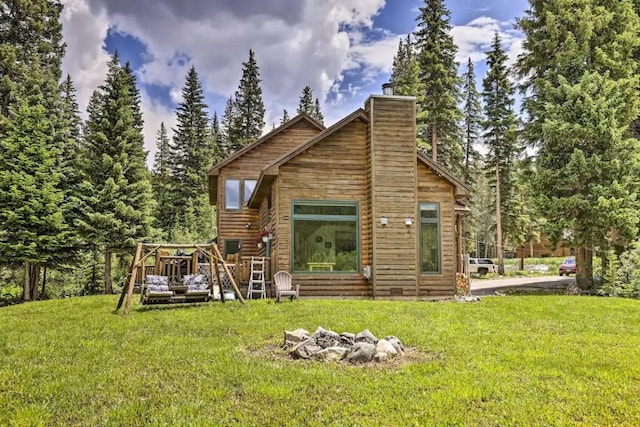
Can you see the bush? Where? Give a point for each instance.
(10, 294)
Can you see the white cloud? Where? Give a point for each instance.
(474, 39)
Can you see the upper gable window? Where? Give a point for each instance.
(232, 194)
(249, 186)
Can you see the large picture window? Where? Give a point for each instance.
(430, 238)
(325, 237)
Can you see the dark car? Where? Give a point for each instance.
(568, 266)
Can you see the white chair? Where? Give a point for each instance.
(284, 288)
(256, 278)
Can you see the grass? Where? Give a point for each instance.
(529, 360)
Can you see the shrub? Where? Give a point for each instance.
(10, 294)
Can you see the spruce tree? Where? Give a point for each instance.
(32, 227)
(439, 118)
(248, 105)
(306, 101)
(405, 73)
(285, 117)
(190, 154)
(472, 120)
(217, 147)
(161, 183)
(581, 94)
(117, 197)
(500, 137)
(229, 143)
(317, 113)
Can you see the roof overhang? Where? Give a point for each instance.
(461, 189)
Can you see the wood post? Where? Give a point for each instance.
(132, 279)
(228, 273)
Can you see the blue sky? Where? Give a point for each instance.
(343, 49)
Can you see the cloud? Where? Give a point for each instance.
(474, 39)
(306, 42)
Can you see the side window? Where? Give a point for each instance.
(430, 237)
(249, 186)
(232, 194)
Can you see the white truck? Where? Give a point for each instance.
(482, 266)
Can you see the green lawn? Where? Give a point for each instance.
(545, 360)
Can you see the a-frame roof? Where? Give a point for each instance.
(271, 171)
(215, 169)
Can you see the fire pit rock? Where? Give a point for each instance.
(328, 345)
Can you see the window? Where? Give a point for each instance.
(249, 186)
(232, 194)
(430, 238)
(325, 237)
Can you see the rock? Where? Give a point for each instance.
(305, 350)
(325, 338)
(467, 298)
(385, 346)
(332, 353)
(396, 343)
(573, 289)
(366, 336)
(291, 338)
(380, 357)
(347, 339)
(362, 352)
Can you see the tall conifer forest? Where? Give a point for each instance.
(548, 145)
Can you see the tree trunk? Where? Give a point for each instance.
(108, 287)
(434, 143)
(499, 222)
(521, 266)
(44, 280)
(531, 248)
(584, 268)
(35, 280)
(26, 288)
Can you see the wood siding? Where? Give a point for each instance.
(433, 189)
(232, 224)
(334, 169)
(393, 196)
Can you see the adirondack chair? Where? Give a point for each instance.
(283, 286)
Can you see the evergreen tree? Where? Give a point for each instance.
(306, 101)
(472, 120)
(317, 113)
(217, 148)
(500, 136)
(190, 153)
(161, 183)
(581, 95)
(439, 118)
(405, 73)
(229, 143)
(285, 117)
(117, 198)
(32, 227)
(248, 105)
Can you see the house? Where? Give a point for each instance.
(352, 210)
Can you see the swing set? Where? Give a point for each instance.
(178, 277)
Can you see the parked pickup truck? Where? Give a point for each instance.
(482, 266)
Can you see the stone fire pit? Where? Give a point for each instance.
(327, 345)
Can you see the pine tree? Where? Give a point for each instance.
(405, 73)
(190, 153)
(32, 227)
(248, 105)
(472, 120)
(306, 101)
(117, 197)
(229, 143)
(161, 183)
(439, 116)
(500, 137)
(317, 113)
(581, 87)
(285, 117)
(217, 148)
